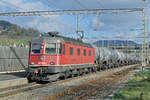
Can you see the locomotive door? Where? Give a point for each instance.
(59, 53)
(63, 54)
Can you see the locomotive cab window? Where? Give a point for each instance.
(59, 48)
(89, 52)
(71, 51)
(84, 52)
(78, 51)
(36, 48)
(63, 49)
(50, 48)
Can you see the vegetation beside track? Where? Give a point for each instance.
(148, 66)
(138, 88)
(10, 41)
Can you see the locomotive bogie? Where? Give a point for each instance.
(43, 73)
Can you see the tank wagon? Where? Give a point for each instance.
(53, 56)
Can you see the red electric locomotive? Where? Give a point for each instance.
(56, 56)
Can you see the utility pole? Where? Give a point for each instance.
(126, 46)
(146, 24)
(114, 44)
(144, 51)
(108, 43)
(77, 27)
(102, 39)
(147, 41)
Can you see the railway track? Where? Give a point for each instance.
(4, 92)
(83, 91)
(33, 86)
(9, 91)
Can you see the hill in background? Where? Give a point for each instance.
(115, 43)
(8, 29)
(14, 35)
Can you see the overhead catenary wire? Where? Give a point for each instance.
(65, 12)
(100, 3)
(81, 5)
(55, 5)
(51, 4)
(48, 3)
(72, 12)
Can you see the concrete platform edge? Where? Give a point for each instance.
(13, 82)
(12, 71)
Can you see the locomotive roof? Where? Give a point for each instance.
(61, 39)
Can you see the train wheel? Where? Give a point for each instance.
(29, 77)
(67, 74)
(86, 70)
(109, 66)
(98, 68)
(70, 74)
(79, 72)
(90, 70)
(101, 68)
(94, 69)
(83, 71)
(62, 76)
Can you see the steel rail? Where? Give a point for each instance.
(16, 87)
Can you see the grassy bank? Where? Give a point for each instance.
(148, 66)
(9, 41)
(137, 85)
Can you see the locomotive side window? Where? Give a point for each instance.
(63, 49)
(36, 48)
(78, 50)
(89, 52)
(59, 48)
(84, 52)
(50, 48)
(71, 51)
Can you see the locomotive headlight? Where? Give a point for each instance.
(52, 63)
(32, 63)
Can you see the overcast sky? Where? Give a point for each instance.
(95, 26)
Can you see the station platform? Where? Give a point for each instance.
(12, 79)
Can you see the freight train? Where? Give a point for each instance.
(55, 57)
